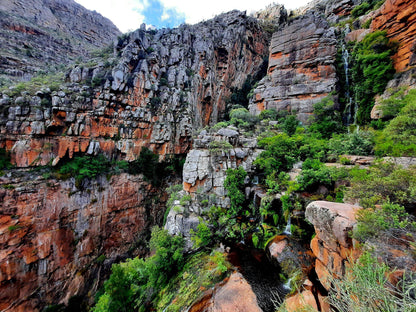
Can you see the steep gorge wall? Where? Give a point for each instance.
(301, 67)
(398, 18)
(165, 85)
(57, 241)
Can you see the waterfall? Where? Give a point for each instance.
(287, 230)
(287, 284)
(351, 107)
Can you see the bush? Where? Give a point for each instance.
(326, 119)
(290, 124)
(84, 167)
(355, 143)
(241, 117)
(365, 287)
(372, 69)
(134, 284)
(373, 222)
(281, 153)
(4, 159)
(399, 136)
(384, 182)
(314, 173)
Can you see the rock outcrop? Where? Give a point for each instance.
(332, 244)
(301, 67)
(57, 241)
(204, 173)
(398, 18)
(40, 34)
(235, 295)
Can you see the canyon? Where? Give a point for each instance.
(163, 90)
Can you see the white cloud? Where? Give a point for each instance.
(127, 14)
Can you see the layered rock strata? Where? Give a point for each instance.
(301, 67)
(165, 84)
(57, 241)
(398, 18)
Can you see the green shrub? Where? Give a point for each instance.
(365, 287)
(290, 124)
(355, 143)
(268, 114)
(84, 167)
(383, 182)
(219, 146)
(399, 136)
(326, 119)
(4, 159)
(134, 284)
(241, 117)
(234, 184)
(314, 173)
(373, 222)
(281, 153)
(372, 69)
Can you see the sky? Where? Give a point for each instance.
(128, 15)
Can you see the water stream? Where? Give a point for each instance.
(351, 107)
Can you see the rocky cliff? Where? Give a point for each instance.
(165, 85)
(301, 67)
(57, 241)
(398, 19)
(39, 34)
(157, 91)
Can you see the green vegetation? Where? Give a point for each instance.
(373, 222)
(4, 159)
(84, 167)
(372, 69)
(365, 287)
(366, 7)
(134, 284)
(53, 81)
(399, 136)
(166, 280)
(383, 182)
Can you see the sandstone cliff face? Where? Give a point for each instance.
(57, 241)
(301, 67)
(35, 34)
(398, 18)
(165, 85)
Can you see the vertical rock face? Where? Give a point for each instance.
(35, 34)
(301, 67)
(398, 18)
(165, 84)
(56, 241)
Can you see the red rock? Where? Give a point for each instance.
(235, 295)
(398, 18)
(301, 300)
(55, 241)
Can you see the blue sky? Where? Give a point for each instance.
(127, 15)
